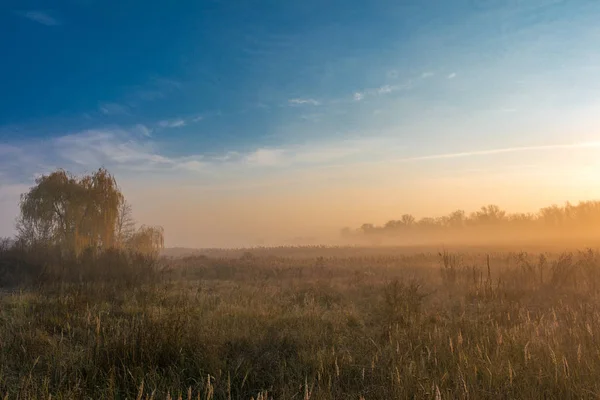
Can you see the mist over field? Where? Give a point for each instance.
(285, 200)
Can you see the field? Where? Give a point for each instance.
(312, 323)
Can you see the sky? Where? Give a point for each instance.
(234, 123)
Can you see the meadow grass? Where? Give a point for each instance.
(389, 326)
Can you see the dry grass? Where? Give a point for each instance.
(426, 326)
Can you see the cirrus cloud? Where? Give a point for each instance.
(41, 17)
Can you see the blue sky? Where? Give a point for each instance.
(247, 99)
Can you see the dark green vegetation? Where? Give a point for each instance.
(303, 326)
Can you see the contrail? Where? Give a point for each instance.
(389, 160)
(503, 150)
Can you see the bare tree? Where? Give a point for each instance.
(125, 228)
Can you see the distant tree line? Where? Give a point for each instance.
(82, 214)
(583, 217)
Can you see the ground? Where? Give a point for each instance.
(313, 324)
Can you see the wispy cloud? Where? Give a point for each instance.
(121, 150)
(297, 102)
(127, 150)
(379, 91)
(314, 117)
(133, 156)
(173, 123)
(6, 149)
(265, 157)
(155, 89)
(180, 121)
(143, 130)
(133, 149)
(18, 162)
(230, 155)
(564, 146)
(452, 75)
(385, 89)
(388, 161)
(113, 109)
(193, 165)
(392, 74)
(107, 147)
(40, 17)
(382, 153)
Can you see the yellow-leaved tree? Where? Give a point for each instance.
(82, 213)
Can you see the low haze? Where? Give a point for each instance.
(309, 199)
(234, 124)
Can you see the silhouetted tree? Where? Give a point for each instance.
(457, 219)
(407, 220)
(554, 218)
(367, 228)
(489, 214)
(125, 228)
(147, 240)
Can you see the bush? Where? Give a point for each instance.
(23, 266)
